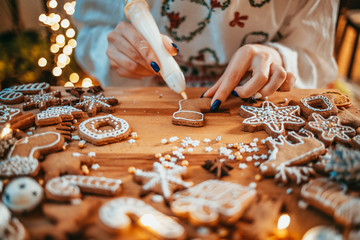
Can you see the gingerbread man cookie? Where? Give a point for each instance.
(190, 112)
(162, 180)
(330, 130)
(23, 156)
(42, 100)
(54, 115)
(288, 154)
(6, 113)
(15, 94)
(99, 103)
(212, 201)
(331, 198)
(116, 214)
(89, 129)
(69, 187)
(271, 118)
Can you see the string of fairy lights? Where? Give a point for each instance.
(62, 40)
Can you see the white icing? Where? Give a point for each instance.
(6, 113)
(54, 112)
(187, 111)
(326, 101)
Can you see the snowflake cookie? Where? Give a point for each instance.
(212, 201)
(330, 130)
(271, 118)
(94, 104)
(42, 100)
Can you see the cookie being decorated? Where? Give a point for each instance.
(23, 156)
(161, 180)
(15, 94)
(212, 201)
(191, 111)
(119, 213)
(99, 103)
(90, 131)
(42, 100)
(54, 115)
(274, 120)
(69, 187)
(6, 113)
(330, 130)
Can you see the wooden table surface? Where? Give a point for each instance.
(149, 112)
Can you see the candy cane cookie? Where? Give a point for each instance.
(69, 187)
(90, 131)
(191, 111)
(116, 214)
(23, 156)
(15, 94)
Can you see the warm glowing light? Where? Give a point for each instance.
(42, 62)
(68, 84)
(56, 18)
(70, 32)
(61, 44)
(148, 220)
(65, 23)
(54, 48)
(69, 8)
(52, 3)
(6, 132)
(57, 71)
(86, 82)
(284, 221)
(60, 64)
(55, 27)
(74, 77)
(67, 50)
(72, 43)
(62, 58)
(60, 39)
(42, 18)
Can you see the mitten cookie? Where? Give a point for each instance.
(190, 112)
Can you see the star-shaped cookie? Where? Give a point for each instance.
(274, 120)
(330, 129)
(94, 104)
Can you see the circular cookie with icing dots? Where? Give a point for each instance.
(211, 201)
(320, 104)
(119, 213)
(330, 129)
(23, 156)
(191, 111)
(23, 194)
(69, 187)
(271, 118)
(90, 130)
(6, 113)
(15, 94)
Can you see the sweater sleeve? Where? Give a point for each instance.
(307, 42)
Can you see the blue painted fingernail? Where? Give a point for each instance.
(175, 46)
(215, 106)
(202, 95)
(155, 66)
(234, 93)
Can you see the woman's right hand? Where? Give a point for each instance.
(131, 55)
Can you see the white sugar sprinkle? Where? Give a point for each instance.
(242, 165)
(164, 141)
(95, 166)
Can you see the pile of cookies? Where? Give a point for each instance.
(313, 143)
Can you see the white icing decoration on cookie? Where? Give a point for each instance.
(69, 186)
(187, 111)
(23, 194)
(357, 139)
(275, 118)
(326, 100)
(10, 228)
(115, 215)
(212, 200)
(54, 112)
(6, 113)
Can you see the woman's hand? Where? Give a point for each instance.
(131, 55)
(268, 75)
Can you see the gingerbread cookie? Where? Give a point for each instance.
(54, 115)
(219, 167)
(6, 113)
(190, 112)
(15, 94)
(212, 201)
(288, 154)
(330, 197)
(23, 156)
(116, 214)
(340, 99)
(10, 227)
(271, 118)
(90, 131)
(356, 142)
(320, 104)
(23, 122)
(66, 162)
(42, 100)
(22, 194)
(330, 130)
(161, 180)
(69, 187)
(99, 103)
